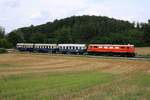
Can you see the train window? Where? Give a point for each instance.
(116, 47)
(127, 47)
(122, 47)
(106, 47)
(73, 47)
(111, 47)
(100, 47)
(95, 46)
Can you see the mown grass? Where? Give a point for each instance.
(49, 86)
(105, 79)
(6, 65)
(85, 85)
(143, 51)
(136, 87)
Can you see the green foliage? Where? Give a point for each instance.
(84, 29)
(2, 32)
(37, 38)
(15, 37)
(5, 44)
(2, 50)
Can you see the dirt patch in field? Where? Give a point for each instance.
(33, 63)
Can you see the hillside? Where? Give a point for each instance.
(82, 29)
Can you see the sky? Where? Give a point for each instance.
(21, 13)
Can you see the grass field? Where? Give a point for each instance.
(143, 51)
(56, 77)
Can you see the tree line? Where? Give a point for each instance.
(82, 29)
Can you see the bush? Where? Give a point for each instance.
(2, 50)
(5, 44)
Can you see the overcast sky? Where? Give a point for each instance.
(20, 13)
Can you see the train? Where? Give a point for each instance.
(87, 49)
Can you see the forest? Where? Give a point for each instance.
(80, 29)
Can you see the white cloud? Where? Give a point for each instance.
(19, 13)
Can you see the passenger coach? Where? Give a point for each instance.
(25, 47)
(46, 48)
(72, 48)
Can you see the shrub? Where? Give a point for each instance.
(2, 50)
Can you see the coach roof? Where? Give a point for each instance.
(78, 45)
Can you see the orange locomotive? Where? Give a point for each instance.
(109, 49)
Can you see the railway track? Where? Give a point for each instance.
(137, 57)
(101, 57)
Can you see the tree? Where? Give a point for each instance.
(2, 32)
(38, 38)
(5, 44)
(15, 37)
(149, 21)
(63, 35)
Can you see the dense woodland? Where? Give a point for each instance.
(80, 29)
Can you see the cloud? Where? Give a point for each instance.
(11, 3)
(20, 13)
